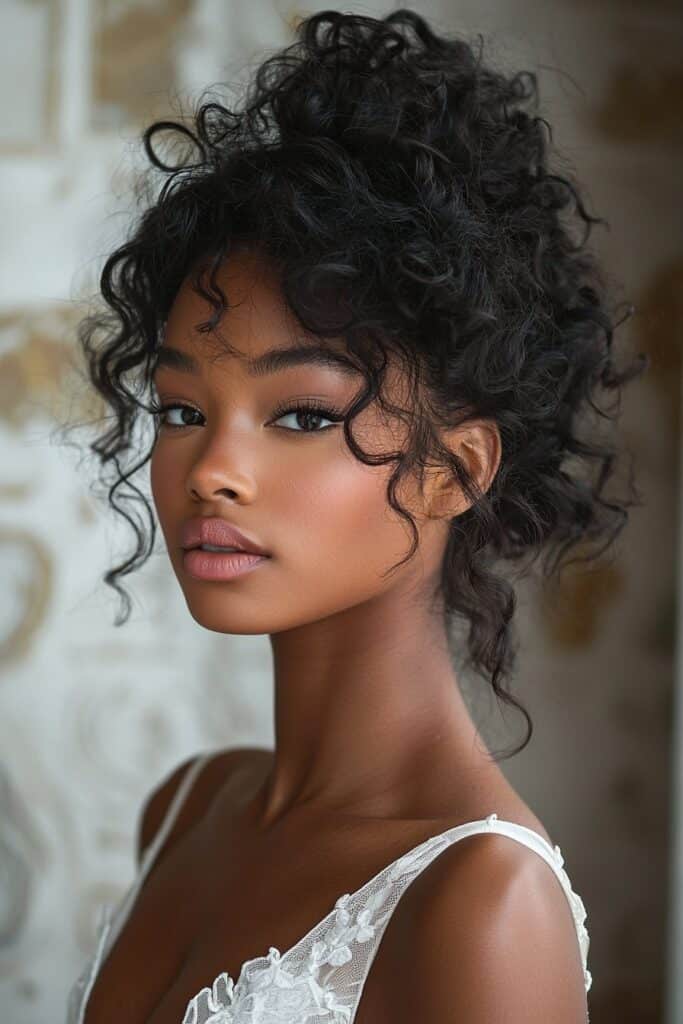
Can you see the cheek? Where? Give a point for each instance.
(337, 524)
(164, 486)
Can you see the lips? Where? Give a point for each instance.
(220, 533)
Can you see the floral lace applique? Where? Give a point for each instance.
(269, 993)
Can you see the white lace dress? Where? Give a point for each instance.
(320, 979)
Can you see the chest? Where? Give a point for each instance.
(202, 918)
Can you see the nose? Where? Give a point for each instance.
(213, 476)
(205, 495)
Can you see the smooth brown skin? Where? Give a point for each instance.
(375, 749)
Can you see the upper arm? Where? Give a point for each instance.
(487, 935)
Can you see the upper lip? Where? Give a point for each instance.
(216, 531)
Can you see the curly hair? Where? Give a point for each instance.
(404, 195)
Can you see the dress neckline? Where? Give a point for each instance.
(395, 865)
(274, 956)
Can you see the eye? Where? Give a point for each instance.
(160, 412)
(303, 409)
(309, 410)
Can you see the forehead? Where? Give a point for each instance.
(253, 295)
(258, 330)
(266, 363)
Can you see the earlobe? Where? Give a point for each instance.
(445, 498)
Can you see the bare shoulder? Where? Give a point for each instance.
(221, 767)
(485, 933)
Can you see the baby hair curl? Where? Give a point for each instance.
(403, 193)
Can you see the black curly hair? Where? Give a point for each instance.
(402, 192)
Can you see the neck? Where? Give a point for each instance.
(369, 719)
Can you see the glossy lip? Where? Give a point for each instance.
(217, 531)
(215, 565)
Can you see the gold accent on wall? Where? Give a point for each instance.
(134, 59)
(294, 17)
(20, 491)
(38, 368)
(28, 590)
(571, 607)
(642, 104)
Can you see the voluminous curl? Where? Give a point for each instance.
(403, 192)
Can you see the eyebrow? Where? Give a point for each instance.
(272, 361)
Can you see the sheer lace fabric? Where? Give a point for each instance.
(320, 979)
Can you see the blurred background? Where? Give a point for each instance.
(92, 716)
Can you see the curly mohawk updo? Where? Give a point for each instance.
(402, 192)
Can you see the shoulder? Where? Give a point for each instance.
(484, 933)
(217, 771)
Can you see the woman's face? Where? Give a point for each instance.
(286, 479)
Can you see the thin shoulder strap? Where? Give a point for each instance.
(169, 819)
(376, 901)
(552, 855)
(527, 836)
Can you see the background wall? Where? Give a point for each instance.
(91, 716)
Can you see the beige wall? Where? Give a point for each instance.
(90, 715)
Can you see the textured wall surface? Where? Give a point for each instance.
(91, 716)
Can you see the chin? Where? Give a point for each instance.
(221, 615)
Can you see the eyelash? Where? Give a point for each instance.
(303, 405)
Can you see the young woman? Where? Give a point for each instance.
(367, 336)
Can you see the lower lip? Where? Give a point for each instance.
(216, 565)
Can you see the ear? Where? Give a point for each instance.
(478, 444)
